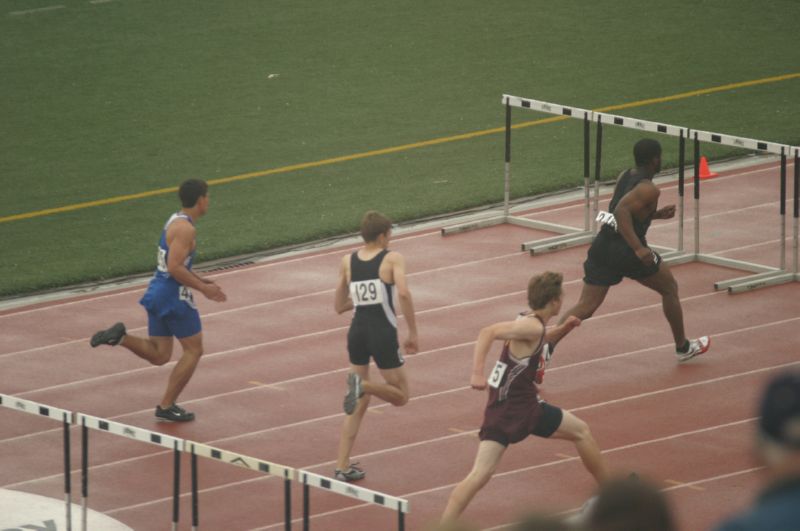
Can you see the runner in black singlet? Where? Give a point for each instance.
(620, 249)
(367, 279)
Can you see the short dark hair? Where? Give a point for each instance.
(645, 150)
(630, 504)
(191, 190)
(373, 224)
(544, 288)
(779, 418)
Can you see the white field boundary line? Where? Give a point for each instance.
(427, 441)
(342, 370)
(312, 254)
(35, 10)
(349, 247)
(278, 301)
(522, 470)
(675, 487)
(330, 331)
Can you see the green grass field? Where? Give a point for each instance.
(131, 96)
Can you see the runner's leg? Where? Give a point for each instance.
(592, 296)
(352, 423)
(486, 461)
(665, 284)
(183, 370)
(394, 391)
(574, 429)
(156, 350)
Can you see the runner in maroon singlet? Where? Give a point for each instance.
(514, 409)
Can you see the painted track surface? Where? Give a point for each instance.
(271, 381)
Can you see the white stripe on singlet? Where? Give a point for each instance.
(387, 309)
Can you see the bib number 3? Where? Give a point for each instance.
(497, 374)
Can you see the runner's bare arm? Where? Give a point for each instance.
(342, 301)
(180, 238)
(556, 333)
(637, 203)
(398, 262)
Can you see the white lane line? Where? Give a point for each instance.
(340, 329)
(36, 10)
(424, 353)
(323, 374)
(498, 475)
(692, 484)
(268, 303)
(426, 441)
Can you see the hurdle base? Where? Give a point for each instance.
(751, 283)
(556, 243)
(504, 219)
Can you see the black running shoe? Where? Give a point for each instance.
(174, 413)
(353, 473)
(111, 336)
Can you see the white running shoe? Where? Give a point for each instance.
(696, 347)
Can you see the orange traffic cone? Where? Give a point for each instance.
(705, 173)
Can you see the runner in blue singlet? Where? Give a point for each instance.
(168, 300)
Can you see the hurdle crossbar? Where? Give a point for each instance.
(243, 461)
(309, 479)
(765, 275)
(66, 417)
(506, 216)
(88, 422)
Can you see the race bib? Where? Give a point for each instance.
(497, 374)
(161, 260)
(606, 218)
(185, 294)
(366, 292)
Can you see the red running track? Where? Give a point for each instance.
(271, 381)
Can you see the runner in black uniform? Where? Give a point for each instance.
(514, 409)
(367, 278)
(620, 249)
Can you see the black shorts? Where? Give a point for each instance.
(374, 339)
(611, 258)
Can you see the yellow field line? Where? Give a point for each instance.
(395, 149)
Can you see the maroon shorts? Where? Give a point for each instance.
(508, 423)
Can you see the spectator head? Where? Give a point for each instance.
(630, 505)
(779, 420)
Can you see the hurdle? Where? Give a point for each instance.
(309, 479)
(506, 217)
(764, 275)
(243, 461)
(66, 418)
(782, 275)
(87, 422)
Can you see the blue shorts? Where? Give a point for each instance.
(168, 314)
(180, 324)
